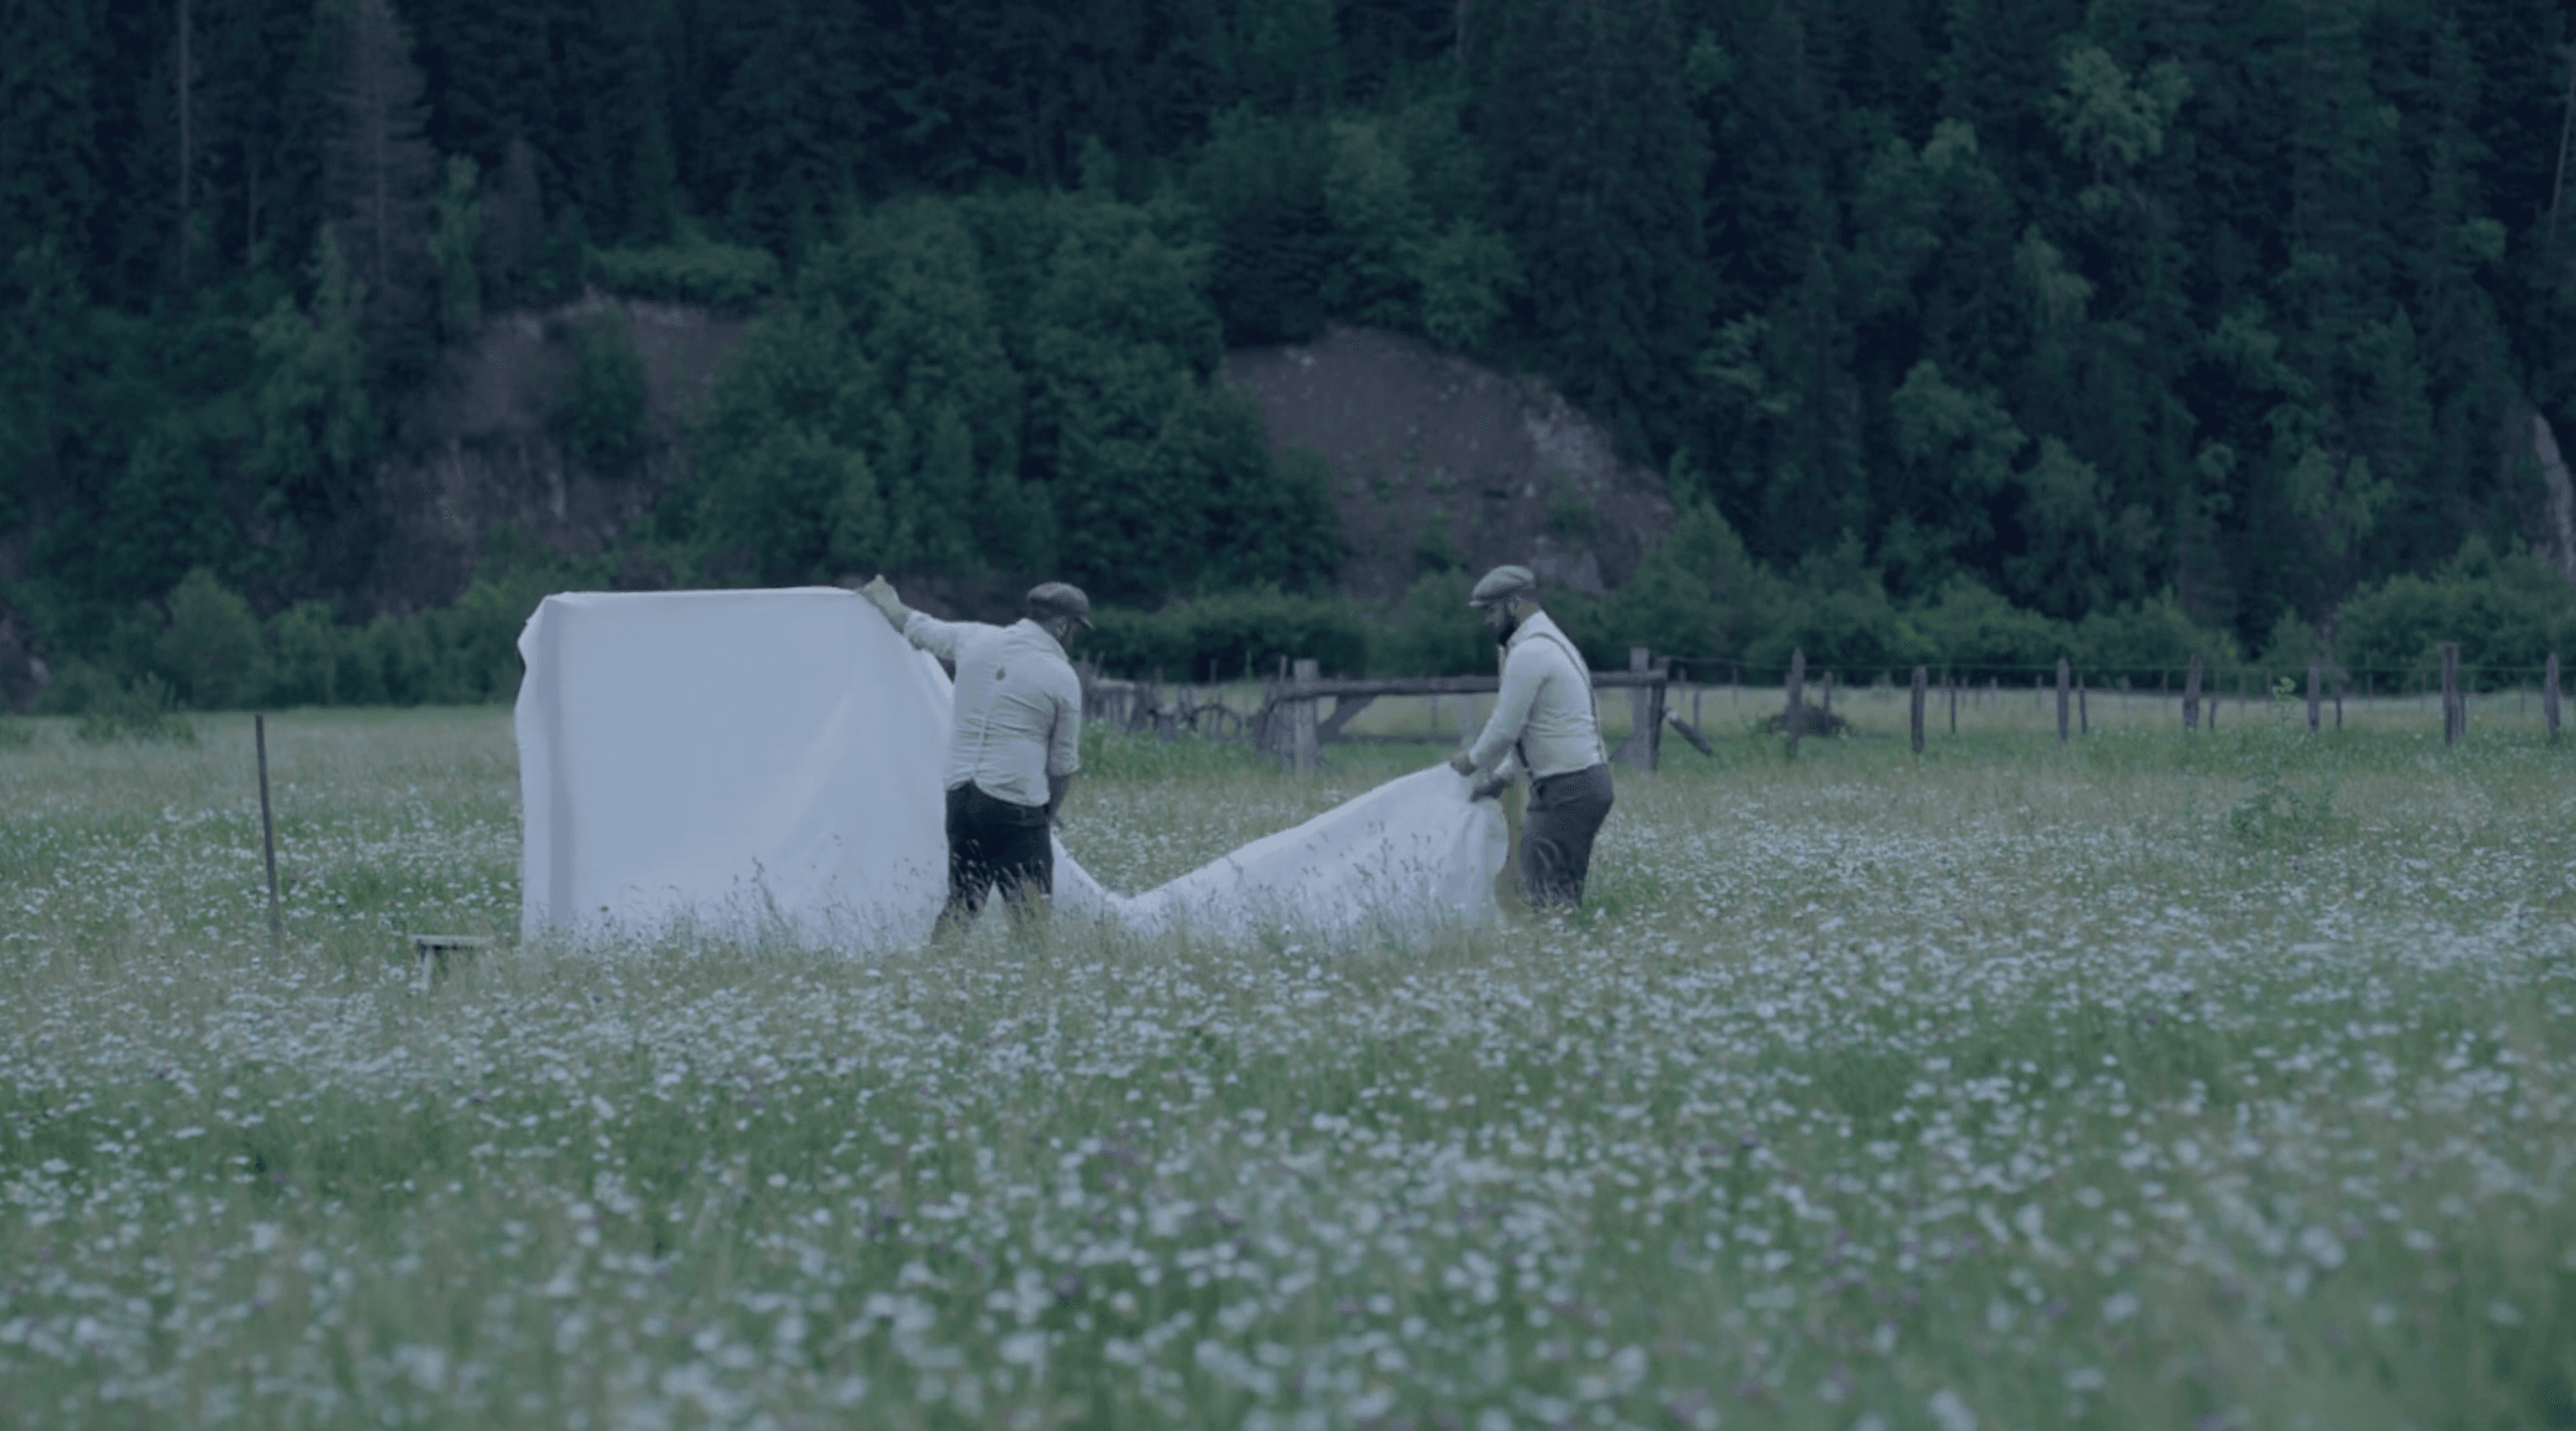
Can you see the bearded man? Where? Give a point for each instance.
(1543, 725)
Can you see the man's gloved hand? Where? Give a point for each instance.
(1489, 788)
(880, 594)
(1463, 763)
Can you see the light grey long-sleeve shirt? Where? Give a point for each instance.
(1019, 706)
(1543, 715)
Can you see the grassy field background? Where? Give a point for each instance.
(2225, 1081)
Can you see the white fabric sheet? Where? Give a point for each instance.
(763, 764)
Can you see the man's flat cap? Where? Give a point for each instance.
(1502, 583)
(1056, 598)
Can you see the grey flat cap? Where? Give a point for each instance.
(1056, 598)
(1502, 583)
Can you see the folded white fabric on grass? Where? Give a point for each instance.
(765, 764)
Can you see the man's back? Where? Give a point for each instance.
(1018, 706)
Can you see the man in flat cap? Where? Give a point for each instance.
(1542, 724)
(1013, 745)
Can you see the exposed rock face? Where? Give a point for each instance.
(2558, 546)
(476, 447)
(1437, 460)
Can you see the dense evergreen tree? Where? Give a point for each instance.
(382, 176)
(2102, 308)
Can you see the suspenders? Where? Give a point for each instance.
(1556, 639)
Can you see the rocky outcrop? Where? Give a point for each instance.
(2558, 521)
(476, 446)
(1438, 461)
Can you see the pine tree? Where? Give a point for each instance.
(49, 146)
(383, 174)
(512, 227)
(1598, 165)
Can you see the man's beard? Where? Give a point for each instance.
(1503, 633)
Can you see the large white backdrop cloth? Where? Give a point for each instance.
(766, 764)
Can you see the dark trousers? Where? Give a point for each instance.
(1565, 812)
(994, 842)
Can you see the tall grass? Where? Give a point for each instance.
(2014, 1087)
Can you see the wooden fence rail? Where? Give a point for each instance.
(1292, 722)
(1290, 710)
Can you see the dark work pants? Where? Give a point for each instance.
(994, 842)
(1565, 812)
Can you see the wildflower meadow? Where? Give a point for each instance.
(2154, 1080)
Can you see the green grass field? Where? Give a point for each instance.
(2155, 1081)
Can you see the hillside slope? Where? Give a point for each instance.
(1437, 462)
(477, 446)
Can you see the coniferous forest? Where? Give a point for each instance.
(1957, 328)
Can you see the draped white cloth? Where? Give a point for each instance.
(766, 764)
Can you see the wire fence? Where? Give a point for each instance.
(1799, 699)
(2366, 681)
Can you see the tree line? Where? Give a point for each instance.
(2234, 312)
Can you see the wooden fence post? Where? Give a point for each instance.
(1826, 715)
(1916, 722)
(1657, 704)
(2455, 711)
(1638, 716)
(1952, 687)
(2083, 715)
(1303, 745)
(1643, 749)
(2316, 694)
(2063, 673)
(1796, 715)
(2191, 697)
(2549, 697)
(268, 837)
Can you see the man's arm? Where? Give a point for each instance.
(1064, 743)
(879, 593)
(940, 638)
(1521, 678)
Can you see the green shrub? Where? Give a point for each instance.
(1968, 627)
(1433, 552)
(212, 648)
(309, 655)
(2143, 640)
(1699, 594)
(2505, 611)
(1230, 636)
(1467, 275)
(1433, 631)
(478, 638)
(1848, 630)
(143, 708)
(2289, 797)
(1573, 518)
(695, 270)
